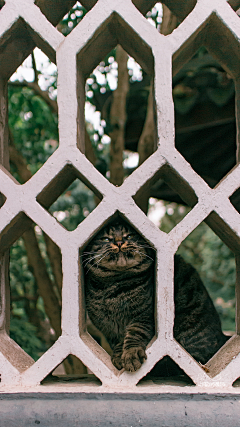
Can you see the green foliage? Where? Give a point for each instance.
(74, 205)
(24, 333)
(21, 278)
(33, 126)
(27, 309)
(70, 21)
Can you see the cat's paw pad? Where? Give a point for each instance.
(133, 358)
(117, 361)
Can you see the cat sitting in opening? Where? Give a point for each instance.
(119, 288)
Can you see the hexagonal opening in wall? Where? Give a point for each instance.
(32, 109)
(205, 122)
(166, 184)
(117, 85)
(69, 197)
(36, 299)
(205, 71)
(35, 273)
(206, 261)
(115, 132)
(118, 267)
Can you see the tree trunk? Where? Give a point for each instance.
(118, 119)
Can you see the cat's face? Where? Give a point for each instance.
(117, 247)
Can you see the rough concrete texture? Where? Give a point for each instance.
(121, 410)
(211, 23)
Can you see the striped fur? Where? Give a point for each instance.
(119, 287)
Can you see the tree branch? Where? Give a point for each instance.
(89, 151)
(55, 258)
(169, 21)
(118, 118)
(42, 93)
(34, 68)
(44, 283)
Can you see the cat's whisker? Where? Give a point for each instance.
(89, 259)
(97, 263)
(86, 253)
(136, 249)
(147, 246)
(145, 255)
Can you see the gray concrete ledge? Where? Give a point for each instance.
(120, 410)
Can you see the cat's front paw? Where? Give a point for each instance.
(117, 361)
(133, 358)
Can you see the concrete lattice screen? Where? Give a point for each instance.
(213, 24)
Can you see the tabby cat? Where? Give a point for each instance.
(119, 288)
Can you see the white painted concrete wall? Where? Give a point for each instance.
(76, 56)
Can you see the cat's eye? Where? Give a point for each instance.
(105, 239)
(129, 236)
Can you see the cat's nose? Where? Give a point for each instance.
(119, 243)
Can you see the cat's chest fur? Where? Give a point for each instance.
(116, 303)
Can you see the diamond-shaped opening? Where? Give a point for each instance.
(165, 184)
(69, 197)
(72, 18)
(2, 199)
(60, 13)
(166, 372)
(36, 283)
(143, 6)
(119, 272)
(204, 84)
(154, 15)
(206, 261)
(71, 372)
(235, 199)
(107, 121)
(180, 10)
